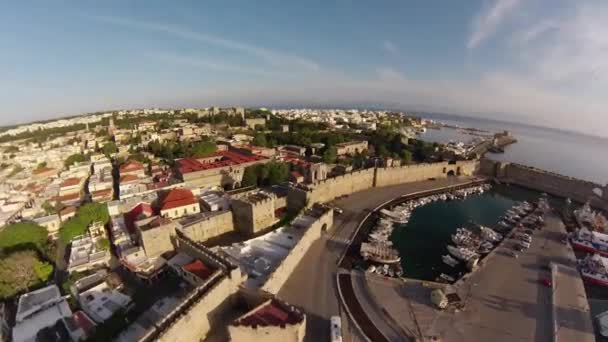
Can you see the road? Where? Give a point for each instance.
(312, 285)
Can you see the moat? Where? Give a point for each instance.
(423, 241)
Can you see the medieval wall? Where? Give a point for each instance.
(361, 180)
(209, 227)
(278, 277)
(545, 181)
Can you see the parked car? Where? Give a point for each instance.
(545, 281)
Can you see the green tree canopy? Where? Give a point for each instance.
(74, 158)
(203, 149)
(22, 270)
(86, 214)
(109, 148)
(23, 234)
(259, 139)
(250, 176)
(330, 154)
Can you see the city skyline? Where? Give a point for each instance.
(509, 60)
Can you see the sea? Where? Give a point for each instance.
(567, 153)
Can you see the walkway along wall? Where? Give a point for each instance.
(277, 278)
(545, 181)
(327, 190)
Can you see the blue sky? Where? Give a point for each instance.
(535, 61)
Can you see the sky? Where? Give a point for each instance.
(542, 62)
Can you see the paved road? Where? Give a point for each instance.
(312, 284)
(571, 307)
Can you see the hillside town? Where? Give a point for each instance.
(132, 222)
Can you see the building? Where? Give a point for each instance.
(178, 203)
(351, 147)
(251, 123)
(133, 167)
(71, 186)
(52, 223)
(223, 169)
(86, 252)
(154, 235)
(37, 310)
(271, 321)
(254, 213)
(98, 298)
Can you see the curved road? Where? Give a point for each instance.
(312, 285)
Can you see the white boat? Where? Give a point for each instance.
(447, 278)
(461, 253)
(394, 216)
(448, 260)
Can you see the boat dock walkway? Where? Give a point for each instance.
(571, 314)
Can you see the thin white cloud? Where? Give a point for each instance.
(210, 64)
(273, 57)
(489, 19)
(389, 46)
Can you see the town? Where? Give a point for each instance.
(194, 224)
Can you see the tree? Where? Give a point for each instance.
(74, 158)
(330, 154)
(86, 214)
(103, 244)
(22, 270)
(109, 148)
(406, 157)
(259, 139)
(41, 165)
(203, 149)
(23, 235)
(11, 149)
(278, 172)
(250, 177)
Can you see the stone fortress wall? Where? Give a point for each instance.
(193, 318)
(208, 226)
(545, 181)
(329, 189)
(277, 278)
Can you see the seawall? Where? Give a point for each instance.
(552, 183)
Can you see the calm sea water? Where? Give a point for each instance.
(423, 241)
(567, 153)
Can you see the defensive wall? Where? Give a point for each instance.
(313, 232)
(545, 181)
(196, 314)
(324, 191)
(205, 226)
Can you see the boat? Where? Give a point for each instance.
(590, 242)
(462, 253)
(379, 253)
(488, 234)
(448, 260)
(444, 278)
(394, 216)
(594, 269)
(485, 248)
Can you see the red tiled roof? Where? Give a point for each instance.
(272, 313)
(141, 209)
(70, 182)
(67, 210)
(178, 198)
(199, 269)
(128, 178)
(69, 197)
(131, 165)
(228, 158)
(296, 174)
(101, 193)
(42, 170)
